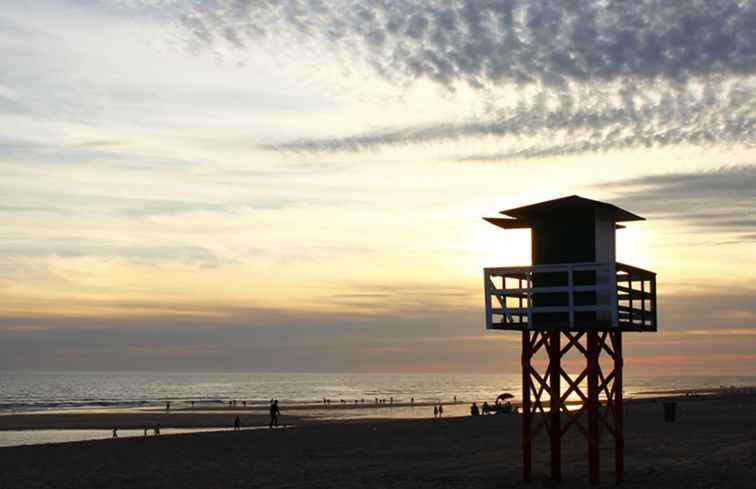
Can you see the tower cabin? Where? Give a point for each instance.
(575, 281)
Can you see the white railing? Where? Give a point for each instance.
(561, 295)
(570, 296)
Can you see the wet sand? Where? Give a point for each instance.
(712, 444)
(133, 420)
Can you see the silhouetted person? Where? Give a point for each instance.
(115, 432)
(145, 431)
(474, 411)
(274, 412)
(168, 406)
(435, 411)
(192, 403)
(486, 407)
(157, 430)
(244, 403)
(455, 398)
(412, 401)
(237, 424)
(440, 410)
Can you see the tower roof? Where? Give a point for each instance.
(565, 204)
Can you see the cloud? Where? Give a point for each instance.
(574, 122)
(156, 334)
(484, 42)
(721, 200)
(139, 254)
(588, 76)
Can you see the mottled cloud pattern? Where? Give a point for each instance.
(484, 41)
(591, 76)
(719, 201)
(712, 114)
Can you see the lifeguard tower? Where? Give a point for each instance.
(574, 297)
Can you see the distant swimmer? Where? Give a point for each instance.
(237, 424)
(274, 413)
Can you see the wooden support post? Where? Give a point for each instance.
(594, 349)
(527, 454)
(619, 435)
(555, 423)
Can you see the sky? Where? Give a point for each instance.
(298, 185)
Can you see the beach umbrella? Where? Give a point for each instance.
(504, 396)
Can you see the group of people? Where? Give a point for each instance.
(274, 410)
(438, 411)
(497, 408)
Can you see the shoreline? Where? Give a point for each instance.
(97, 425)
(218, 416)
(711, 444)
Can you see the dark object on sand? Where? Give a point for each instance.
(670, 412)
(275, 411)
(474, 410)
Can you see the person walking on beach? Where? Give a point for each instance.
(474, 411)
(237, 424)
(435, 411)
(168, 406)
(157, 430)
(440, 410)
(115, 432)
(274, 412)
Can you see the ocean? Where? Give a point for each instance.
(54, 391)
(32, 392)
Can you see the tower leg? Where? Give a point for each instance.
(594, 349)
(555, 423)
(527, 454)
(619, 428)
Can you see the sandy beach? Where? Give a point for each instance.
(712, 444)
